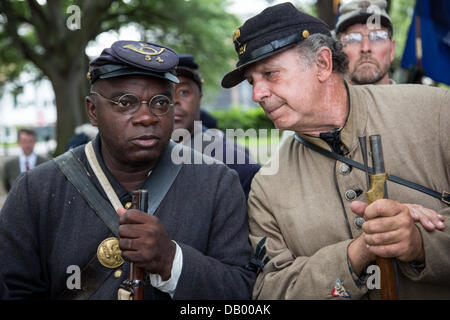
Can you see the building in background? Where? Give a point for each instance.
(34, 107)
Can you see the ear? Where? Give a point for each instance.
(91, 110)
(324, 62)
(392, 50)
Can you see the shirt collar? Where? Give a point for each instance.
(31, 155)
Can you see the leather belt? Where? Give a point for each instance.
(443, 196)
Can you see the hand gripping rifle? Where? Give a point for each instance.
(134, 285)
(377, 190)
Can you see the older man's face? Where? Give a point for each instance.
(131, 139)
(287, 90)
(369, 59)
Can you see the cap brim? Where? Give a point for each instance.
(362, 19)
(236, 76)
(119, 73)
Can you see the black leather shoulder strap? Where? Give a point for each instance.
(443, 196)
(77, 175)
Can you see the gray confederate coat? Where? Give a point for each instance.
(46, 226)
(301, 208)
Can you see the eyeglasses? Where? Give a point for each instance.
(355, 38)
(129, 104)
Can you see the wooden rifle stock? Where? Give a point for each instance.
(378, 191)
(137, 275)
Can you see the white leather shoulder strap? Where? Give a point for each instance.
(93, 162)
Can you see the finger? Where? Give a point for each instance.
(133, 216)
(418, 214)
(383, 208)
(144, 258)
(434, 218)
(429, 218)
(385, 251)
(132, 256)
(380, 225)
(413, 211)
(132, 231)
(358, 207)
(383, 239)
(426, 222)
(126, 244)
(121, 211)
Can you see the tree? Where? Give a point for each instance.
(326, 11)
(41, 32)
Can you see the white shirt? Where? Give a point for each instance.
(169, 285)
(23, 159)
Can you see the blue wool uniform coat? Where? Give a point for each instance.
(47, 226)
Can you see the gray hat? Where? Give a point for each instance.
(358, 11)
(134, 58)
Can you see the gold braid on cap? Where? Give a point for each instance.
(236, 35)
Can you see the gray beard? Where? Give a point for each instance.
(367, 78)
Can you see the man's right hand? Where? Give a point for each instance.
(358, 251)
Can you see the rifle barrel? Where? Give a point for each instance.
(387, 277)
(139, 202)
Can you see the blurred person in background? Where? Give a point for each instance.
(25, 161)
(187, 101)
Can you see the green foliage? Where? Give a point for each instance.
(200, 27)
(238, 118)
(401, 15)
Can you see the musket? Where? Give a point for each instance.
(377, 190)
(136, 279)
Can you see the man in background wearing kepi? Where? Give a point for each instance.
(365, 30)
(187, 101)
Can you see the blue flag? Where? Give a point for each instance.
(435, 37)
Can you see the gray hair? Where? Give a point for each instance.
(309, 48)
